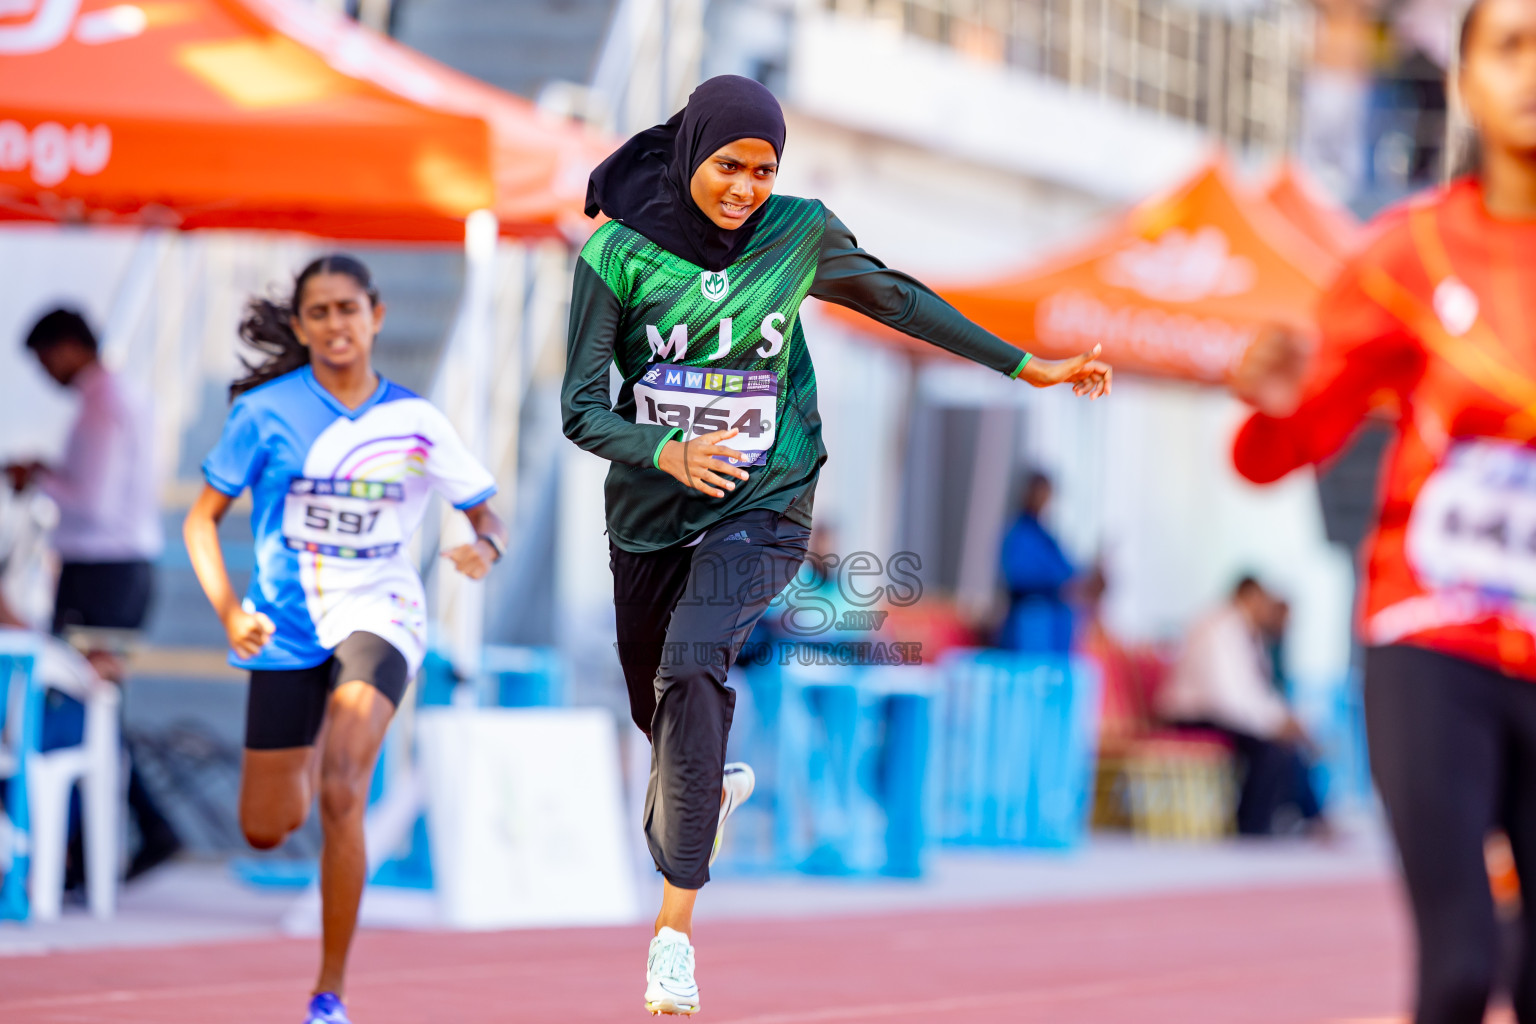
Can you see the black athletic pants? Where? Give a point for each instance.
(1274, 775)
(682, 615)
(107, 595)
(1453, 750)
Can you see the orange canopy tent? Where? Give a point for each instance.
(267, 114)
(1305, 208)
(1176, 287)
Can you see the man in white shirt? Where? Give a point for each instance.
(1224, 681)
(108, 533)
(109, 518)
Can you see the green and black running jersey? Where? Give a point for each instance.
(701, 351)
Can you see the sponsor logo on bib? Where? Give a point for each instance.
(714, 285)
(1456, 306)
(700, 402)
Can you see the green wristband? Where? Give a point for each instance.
(671, 436)
(1020, 368)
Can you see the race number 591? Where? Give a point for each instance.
(323, 519)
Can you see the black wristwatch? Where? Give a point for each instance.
(495, 543)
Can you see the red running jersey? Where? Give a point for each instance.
(1435, 319)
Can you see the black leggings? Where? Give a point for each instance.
(1453, 750)
(682, 615)
(284, 708)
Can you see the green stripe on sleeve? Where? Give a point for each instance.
(1020, 368)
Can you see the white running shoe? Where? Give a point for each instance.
(737, 786)
(669, 984)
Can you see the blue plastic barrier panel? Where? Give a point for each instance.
(844, 758)
(1018, 741)
(21, 696)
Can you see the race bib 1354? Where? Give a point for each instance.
(701, 401)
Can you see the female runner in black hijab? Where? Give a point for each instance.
(693, 290)
(646, 183)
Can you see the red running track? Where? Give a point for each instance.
(1313, 955)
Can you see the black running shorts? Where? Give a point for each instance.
(284, 707)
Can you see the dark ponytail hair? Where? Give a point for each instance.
(267, 324)
(1466, 156)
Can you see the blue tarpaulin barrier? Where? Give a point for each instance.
(1018, 742)
(843, 762)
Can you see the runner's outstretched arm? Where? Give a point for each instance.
(1308, 408)
(851, 277)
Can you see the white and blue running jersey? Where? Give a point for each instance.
(336, 494)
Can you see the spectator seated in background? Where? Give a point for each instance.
(108, 532)
(1223, 682)
(1036, 572)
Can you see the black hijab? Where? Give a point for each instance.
(645, 183)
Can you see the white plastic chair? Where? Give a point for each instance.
(49, 776)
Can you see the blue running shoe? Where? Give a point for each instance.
(325, 1008)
